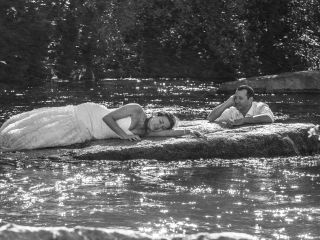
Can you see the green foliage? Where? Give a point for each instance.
(305, 22)
(183, 37)
(215, 40)
(272, 27)
(24, 39)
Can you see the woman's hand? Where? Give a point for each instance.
(195, 133)
(131, 138)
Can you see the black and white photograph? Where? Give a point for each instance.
(159, 119)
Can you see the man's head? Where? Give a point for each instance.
(243, 98)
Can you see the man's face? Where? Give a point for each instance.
(241, 100)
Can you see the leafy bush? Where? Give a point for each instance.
(212, 40)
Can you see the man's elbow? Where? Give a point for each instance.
(269, 119)
(211, 117)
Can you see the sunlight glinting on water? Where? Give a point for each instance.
(156, 186)
(270, 197)
(169, 226)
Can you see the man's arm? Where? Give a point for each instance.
(218, 110)
(262, 118)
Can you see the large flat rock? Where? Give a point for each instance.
(304, 81)
(269, 140)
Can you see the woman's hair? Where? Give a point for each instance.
(173, 120)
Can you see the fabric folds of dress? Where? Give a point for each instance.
(57, 126)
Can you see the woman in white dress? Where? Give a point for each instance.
(62, 126)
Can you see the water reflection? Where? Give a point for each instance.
(265, 197)
(189, 99)
(269, 197)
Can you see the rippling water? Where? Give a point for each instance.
(267, 197)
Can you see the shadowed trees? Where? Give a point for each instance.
(211, 40)
(24, 37)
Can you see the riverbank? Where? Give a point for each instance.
(290, 82)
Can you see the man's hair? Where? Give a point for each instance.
(250, 91)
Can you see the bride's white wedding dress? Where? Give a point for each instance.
(58, 126)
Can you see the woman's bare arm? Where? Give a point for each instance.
(173, 133)
(129, 110)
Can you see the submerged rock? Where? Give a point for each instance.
(269, 140)
(304, 81)
(16, 232)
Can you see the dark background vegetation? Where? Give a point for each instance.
(210, 40)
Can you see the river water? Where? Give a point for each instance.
(271, 198)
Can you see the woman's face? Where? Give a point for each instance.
(158, 123)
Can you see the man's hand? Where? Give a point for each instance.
(195, 133)
(231, 123)
(230, 102)
(238, 122)
(218, 110)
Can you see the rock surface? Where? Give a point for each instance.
(304, 81)
(269, 140)
(16, 232)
